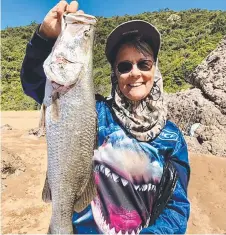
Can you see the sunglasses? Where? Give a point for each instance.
(142, 65)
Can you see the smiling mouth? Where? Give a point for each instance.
(136, 84)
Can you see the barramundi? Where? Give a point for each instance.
(70, 121)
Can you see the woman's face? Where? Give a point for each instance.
(135, 84)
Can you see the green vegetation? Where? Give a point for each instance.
(187, 38)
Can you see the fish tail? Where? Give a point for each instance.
(46, 192)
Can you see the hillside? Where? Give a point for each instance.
(187, 38)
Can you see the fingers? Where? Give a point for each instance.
(73, 7)
(61, 8)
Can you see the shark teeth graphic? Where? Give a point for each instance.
(144, 187)
(106, 171)
(115, 177)
(124, 182)
(136, 187)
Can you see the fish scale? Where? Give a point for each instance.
(71, 122)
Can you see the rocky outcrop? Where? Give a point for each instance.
(201, 111)
(210, 76)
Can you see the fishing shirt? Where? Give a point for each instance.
(127, 172)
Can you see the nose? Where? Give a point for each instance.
(135, 72)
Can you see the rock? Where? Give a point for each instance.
(189, 107)
(11, 164)
(194, 146)
(210, 76)
(6, 127)
(201, 112)
(39, 132)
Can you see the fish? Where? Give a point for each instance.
(70, 121)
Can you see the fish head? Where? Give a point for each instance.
(73, 49)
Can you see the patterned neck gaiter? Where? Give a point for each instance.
(143, 119)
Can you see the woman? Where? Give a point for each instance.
(141, 165)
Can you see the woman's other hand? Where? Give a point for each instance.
(51, 25)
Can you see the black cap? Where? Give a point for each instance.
(134, 27)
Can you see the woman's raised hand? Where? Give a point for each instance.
(51, 25)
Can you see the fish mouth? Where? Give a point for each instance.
(115, 218)
(63, 60)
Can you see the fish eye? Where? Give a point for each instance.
(86, 33)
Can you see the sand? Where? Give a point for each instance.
(25, 161)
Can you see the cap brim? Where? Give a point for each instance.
(134, 27)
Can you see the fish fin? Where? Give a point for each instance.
(41, 126)
(55, 107)
(87, 196)
(46, 192)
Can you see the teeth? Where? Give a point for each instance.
(133, 233)
(105, 226)
(102, 168)
(119, 233)
(124, 182)
(138, 231)
(107, 171)
(115, 177)
(136, 84)
(126, 233)
(144, 187)
(149, 187)
(136, 187)
(112, 231)
(148, 220)
(96, 168)
(101, 219)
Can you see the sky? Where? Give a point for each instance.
(23, 12)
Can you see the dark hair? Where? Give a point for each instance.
(135, 41)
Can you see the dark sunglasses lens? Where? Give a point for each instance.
(124, 67)
(145, 65)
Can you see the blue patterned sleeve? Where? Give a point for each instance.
(32, 74)
(174, 218)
